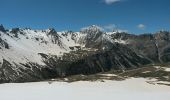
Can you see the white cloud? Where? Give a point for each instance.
(141, 26)
(113, 27)
(111, 1)
(120, 30)
(110, 27)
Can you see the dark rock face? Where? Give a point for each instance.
(6, 72)
(28, 72)
(73, 35)
(163, 44)
(55, 38)
(3, 44)
(15, 31)
(153, 46)
(94, 35)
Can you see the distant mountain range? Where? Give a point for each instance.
(35, 55)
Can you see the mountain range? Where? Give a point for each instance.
(34, 55)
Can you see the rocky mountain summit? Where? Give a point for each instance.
(35, 55)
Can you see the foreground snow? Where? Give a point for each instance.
(131, 89)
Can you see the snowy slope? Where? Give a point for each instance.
(131, 89)
(26, 46)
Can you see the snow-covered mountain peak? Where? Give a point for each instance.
(91, 29)
(92, 32)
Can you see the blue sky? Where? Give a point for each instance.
(134, 16)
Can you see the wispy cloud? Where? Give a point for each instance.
(109, 27)
(109, 2)
(113, 27)
(141, 26)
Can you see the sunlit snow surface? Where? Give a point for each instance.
(130, 89)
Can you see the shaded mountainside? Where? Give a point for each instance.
(36, 55)
(119, 57)
(155, 47)
(80, 62)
